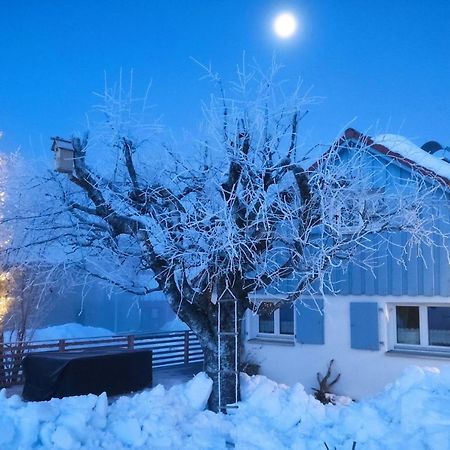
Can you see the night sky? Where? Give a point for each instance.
(383, 66)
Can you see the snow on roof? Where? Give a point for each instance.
(411, 152)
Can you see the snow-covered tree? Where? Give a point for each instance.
(242, 212)
(28, 282)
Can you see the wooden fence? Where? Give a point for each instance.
(169, 349)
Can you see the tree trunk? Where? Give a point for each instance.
(226, 388)
(202, 319)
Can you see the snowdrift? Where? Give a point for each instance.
(412, 413)
(64, 331)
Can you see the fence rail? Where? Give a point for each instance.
(169, 349)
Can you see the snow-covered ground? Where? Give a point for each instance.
(174, 325)
(77, 331)
(413, 413)
(70, 331)
(65, 331)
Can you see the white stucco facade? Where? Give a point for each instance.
(363, 372)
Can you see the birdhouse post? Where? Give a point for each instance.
(63, 155)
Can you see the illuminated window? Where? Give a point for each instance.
(279, 322)
(422, 326)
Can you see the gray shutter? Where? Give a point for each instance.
(364, 326)
(310, 322)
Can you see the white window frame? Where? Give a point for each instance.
(276, 335)
(424, 345)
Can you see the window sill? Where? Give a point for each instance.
(414, 353)
(272, 340)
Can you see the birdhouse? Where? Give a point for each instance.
(63, 155)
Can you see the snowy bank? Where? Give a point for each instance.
(174, 325)
(70, 331)
(65, 331)
(412, 413)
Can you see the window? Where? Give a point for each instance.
(286, 313)
(422, 326)
(349, 214)
(267, 322)
(439, 326)
(408, 325)
(275, 323)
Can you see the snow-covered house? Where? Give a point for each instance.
(382, 320)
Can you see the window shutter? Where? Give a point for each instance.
(310, 322)
(364, 325)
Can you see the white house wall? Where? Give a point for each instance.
(363, 372)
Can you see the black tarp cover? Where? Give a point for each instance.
(60, 374)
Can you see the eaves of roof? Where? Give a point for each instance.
(351, 134)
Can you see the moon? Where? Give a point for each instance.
(285, 25)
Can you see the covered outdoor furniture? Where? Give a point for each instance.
(60, 374)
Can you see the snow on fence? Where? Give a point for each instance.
(169, 349)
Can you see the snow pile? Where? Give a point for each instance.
(70, 331)
(65, 331)
(412, 413)
(152, 419)
(174, 325)
(408, 150)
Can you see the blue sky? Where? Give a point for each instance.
(381, 65)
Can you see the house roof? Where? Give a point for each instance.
(401, 150)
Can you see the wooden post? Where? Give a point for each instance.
(130, 340)
(186, 348)
(62, 345)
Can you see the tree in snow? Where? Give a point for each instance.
(28, 283)
(29, 290)
(246, 214)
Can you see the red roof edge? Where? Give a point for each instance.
(352, 134)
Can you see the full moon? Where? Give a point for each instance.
(285, 25)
